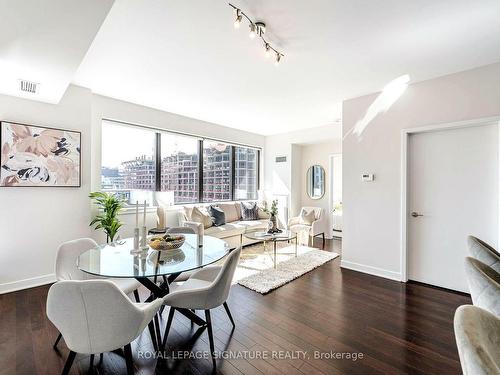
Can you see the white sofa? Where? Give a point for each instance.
(231, 232)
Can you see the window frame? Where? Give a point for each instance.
(201, 140)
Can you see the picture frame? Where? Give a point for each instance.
(39, 156)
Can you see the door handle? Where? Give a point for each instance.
(416, 214)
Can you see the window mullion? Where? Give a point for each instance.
(158, 162)
(200, 170)
(233, 171)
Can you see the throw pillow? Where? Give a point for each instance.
(306, 217)
(230, 211)
(263, 214)
(249, 211)
(201, 216)
(218, 216)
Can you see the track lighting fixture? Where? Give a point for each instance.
(237, 21)
(256, 29)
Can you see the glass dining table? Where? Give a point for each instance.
(156, 270)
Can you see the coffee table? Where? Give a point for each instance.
(265, 237)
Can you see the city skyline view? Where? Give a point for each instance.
(130, 165)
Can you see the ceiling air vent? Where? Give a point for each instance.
(28, 86)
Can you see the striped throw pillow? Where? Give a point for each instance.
(249, 211)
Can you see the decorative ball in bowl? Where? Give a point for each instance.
(167, 242)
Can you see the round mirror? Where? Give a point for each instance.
(315, 182)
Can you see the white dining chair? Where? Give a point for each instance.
(204, 290)
(66, 269)
(95, 316)
(484, 252)
(477, 333)
(484, 285)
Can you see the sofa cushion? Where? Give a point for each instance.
(201, 215)
(263, 214)
(249, 211)
(252, 225)
(226, 230)
(217, 215)
(230, 211)
(187, 211)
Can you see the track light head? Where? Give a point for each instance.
(278, 58)
(252, 31)
(268, 50)
(237, 21)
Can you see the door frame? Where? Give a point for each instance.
(331, 157)
(405, 135)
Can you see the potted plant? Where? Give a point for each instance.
(273, 221)
(110, 205)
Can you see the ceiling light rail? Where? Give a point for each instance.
(257, 28)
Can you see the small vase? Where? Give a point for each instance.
(272, 226)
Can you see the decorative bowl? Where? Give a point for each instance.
(167, 242)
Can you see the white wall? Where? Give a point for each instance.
(34, 221)
(288, 178)
(371, 211)
(312, 154)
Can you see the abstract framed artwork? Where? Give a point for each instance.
(39, 156)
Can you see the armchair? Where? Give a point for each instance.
(318, 227)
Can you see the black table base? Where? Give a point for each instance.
(160, 291)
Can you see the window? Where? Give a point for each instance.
(245, 179)
(179, 167)
(128, 159)
(190, 169)
(217, 176)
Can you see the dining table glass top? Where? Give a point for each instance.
(117, 259)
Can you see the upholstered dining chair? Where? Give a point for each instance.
(66, 268)
(484, 252)
(95, 316)
(484, 285)
(206, 289)
(477, 333)
(185, 275)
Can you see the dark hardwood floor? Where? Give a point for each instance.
(399, 329)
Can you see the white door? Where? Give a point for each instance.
(453, 184)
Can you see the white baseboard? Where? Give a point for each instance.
(27, 283)
(371, 270)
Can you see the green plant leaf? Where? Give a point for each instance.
(110, 204)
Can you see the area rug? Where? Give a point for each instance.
(255, 270)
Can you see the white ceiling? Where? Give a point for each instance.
(185, 56)
(45, 42)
